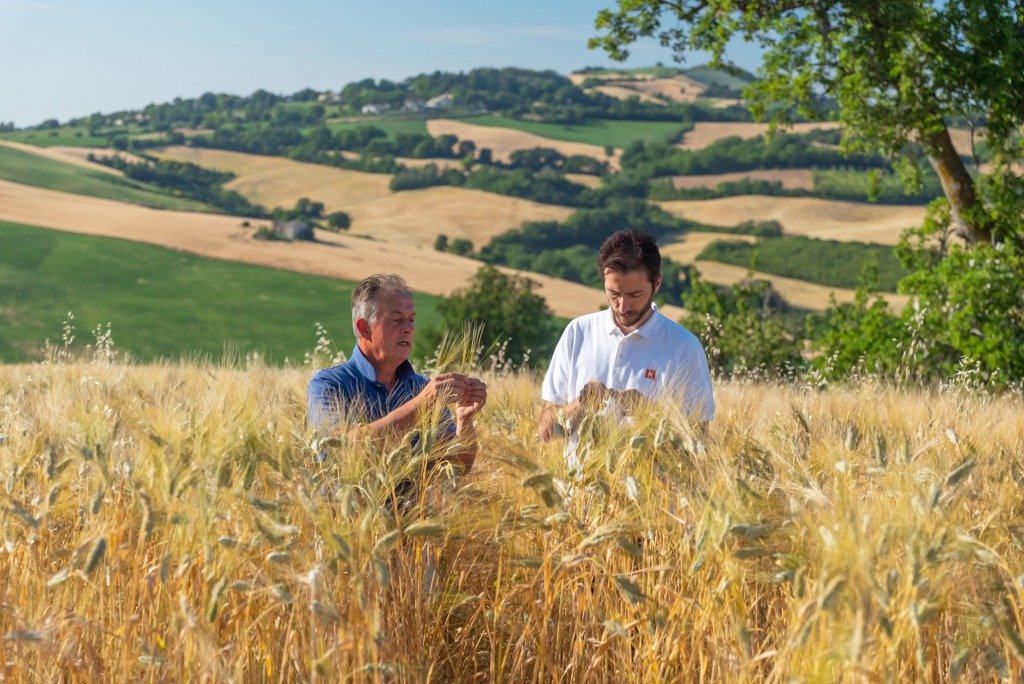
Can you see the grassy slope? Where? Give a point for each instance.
(161, 302)
(390, 126)
(29, 169)
(594, 132)
(824, 262)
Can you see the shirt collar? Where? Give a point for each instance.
(646, 330)
(403, 372)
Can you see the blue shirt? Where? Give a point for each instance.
(351, 391)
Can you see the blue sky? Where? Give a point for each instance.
(63, 59)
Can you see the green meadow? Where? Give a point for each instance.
(390, 126)
(162, 303)
(594, 132)
(30, 169)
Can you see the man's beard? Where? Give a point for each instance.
(631, 319)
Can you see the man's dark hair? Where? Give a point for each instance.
(630, 250)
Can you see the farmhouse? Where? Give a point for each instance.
(413, 104)
(292, 230)
(440, 102)
(375, 108)
(329, 96)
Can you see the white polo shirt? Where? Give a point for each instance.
(661, 359)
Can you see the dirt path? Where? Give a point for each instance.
(504, 141)
(797, 292)
(222, 237)
(820, 218)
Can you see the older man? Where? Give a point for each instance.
(379, 385)
(629, 351)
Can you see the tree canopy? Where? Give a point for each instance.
(899, 71)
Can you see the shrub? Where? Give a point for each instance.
(424, 177)
(339, 220)
(441, 243)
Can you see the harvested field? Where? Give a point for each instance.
(578, 79)
(222, 237)
(676, 89)
(820, 218)
(623, 93)
(411, 218)
(791, 179)
(705, 133)
(442, 164)
(584, 179)
(687, 247)
(279, 182)
(504, 141)
(82, 154)
(798, 293)
(187, 132)
(69, 155)
(416, 217)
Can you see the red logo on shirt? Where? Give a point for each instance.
(651, 374)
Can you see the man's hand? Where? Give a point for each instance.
(593, 395)
(628, 400)
(443, 389)
(472, 400)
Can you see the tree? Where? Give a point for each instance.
(461, 246)
(441, 243)
(899, 70)
(510, 311)
(339, 220)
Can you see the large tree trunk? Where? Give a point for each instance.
(958, 186)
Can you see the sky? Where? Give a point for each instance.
(65, 59)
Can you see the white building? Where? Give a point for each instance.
(413, 104)
(440, 102)
(375, 108)
(329, 96)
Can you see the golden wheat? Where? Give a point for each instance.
(172, 521)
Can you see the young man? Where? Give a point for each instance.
(628, 351)
(378, 383)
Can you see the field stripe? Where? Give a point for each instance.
(223, 237)
(799, 293)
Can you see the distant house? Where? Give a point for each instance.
(413, 104)
(375, 108)
(329, 96)
(118, 122)
(292, 230)
(440, 102)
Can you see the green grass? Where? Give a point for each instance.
(65, 137)
(390, 126)
(703, 74)
(824, 262)
(162, 303)
(30, 169)
(594, 132)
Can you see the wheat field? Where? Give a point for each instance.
(172, 522)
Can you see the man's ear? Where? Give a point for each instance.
(363, 329)
(657, 284)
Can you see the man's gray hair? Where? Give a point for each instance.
(367, 295)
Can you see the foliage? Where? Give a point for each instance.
(184, 179)
(514, 317)
(338, 220)
(896, 70)
(305, 209)
(424, 177)
(779, 151)
(740, 330)
(825, 262)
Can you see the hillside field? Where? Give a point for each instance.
(173, 522)
(599, 132)
(160, 302)
(504, 141)
(26, 168)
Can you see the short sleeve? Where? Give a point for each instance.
(556, 381)
(692, 382)
(323, 414)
